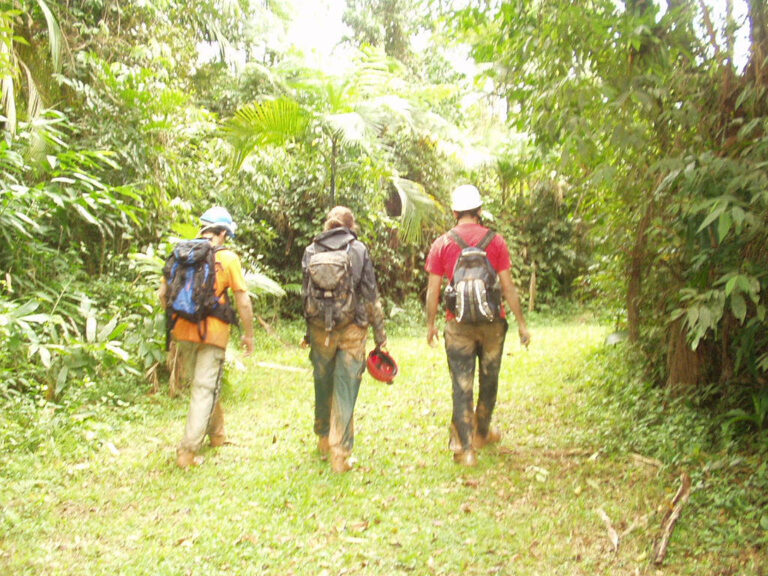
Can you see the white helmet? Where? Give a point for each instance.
(465, 197)
(218, 216)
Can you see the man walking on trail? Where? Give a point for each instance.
(202, 345)
(475, 319)
(341, 299)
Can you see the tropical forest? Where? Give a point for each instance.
(620, 150)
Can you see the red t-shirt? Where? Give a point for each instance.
(444, 253)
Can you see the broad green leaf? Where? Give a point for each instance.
(692, 316)
(90, 329)
(739, 307)
(45, 356)
(36, 318)
(724, 225)
(712, 216)
(118, 351)
(87, 216)
(107, 329)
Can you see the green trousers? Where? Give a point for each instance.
(466, 346)
(338, 361)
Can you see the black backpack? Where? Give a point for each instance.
(474, 294)
(190, 274)
(329, 301)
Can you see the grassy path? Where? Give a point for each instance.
(267, 504)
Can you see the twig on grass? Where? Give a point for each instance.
(640, 459)
(671, 517)
(612, 534)
(280, 367)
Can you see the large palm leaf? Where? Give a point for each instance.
(418, 208)
(270, 122)
(13, 67)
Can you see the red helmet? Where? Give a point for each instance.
(382, 366)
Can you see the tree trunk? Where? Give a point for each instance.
(684, 365)
(635, 283)
(758, 36)
(334, 152)
(532, 289)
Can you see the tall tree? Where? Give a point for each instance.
(657, 130)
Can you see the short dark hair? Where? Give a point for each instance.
(474, 212)
(215, 230)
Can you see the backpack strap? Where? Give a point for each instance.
(453, 235)
(483, 244)
(487, 239)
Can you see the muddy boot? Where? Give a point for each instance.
(494, 435)
(478, 441)
(323, 446)
(185, 459)
(465, 458)
(340, 462)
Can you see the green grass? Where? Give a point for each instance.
(106, 498)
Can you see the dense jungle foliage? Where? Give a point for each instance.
(621, 147)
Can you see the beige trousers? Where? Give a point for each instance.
(206, 365)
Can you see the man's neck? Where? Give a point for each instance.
(467, 220)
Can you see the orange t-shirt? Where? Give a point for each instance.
(229, 275)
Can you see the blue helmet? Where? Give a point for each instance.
(218, 216)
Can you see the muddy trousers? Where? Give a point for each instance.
(465, 346)
(206, 365)
(338, 363)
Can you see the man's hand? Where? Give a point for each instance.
(433, 336)
(248, 345)
(525, 336)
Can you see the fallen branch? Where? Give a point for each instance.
(612, 534)
(640, 459)
(671, 517)
(280, 367)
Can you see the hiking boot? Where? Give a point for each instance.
(218, 440)
(185, 459)
(494, 435)
(465, 458)
(323, 446)
(340, 464)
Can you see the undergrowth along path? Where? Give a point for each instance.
(546, 500)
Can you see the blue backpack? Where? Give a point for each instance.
(190, 274)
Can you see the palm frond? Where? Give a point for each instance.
(259, 283)
(374, 72)
(351, 127)
(34, 101)
(387, 112)
(271, 122)
(55, 37)
(418, 208)
(9, 103)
